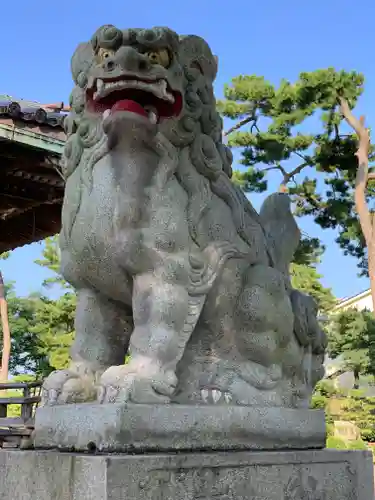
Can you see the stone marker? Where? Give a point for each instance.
(346, 430)
(174, 267)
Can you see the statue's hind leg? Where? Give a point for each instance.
(102, 335)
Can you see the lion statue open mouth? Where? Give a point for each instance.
(171, 262)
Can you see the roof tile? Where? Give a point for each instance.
(50, 115)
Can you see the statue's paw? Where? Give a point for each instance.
(137, 382)
(67, 386)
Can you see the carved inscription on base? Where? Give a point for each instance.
(249, 483)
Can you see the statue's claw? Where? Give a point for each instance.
(137, 382)
(67, 386)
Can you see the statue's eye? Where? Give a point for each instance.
(104, 54)
(161, 57)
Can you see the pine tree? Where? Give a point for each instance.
(316, 162)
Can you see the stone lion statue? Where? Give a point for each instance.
(172, 264)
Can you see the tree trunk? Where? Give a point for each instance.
(362, 177)
(4, 368)
(356, 378)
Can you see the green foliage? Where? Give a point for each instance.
(358, 444)
(307, 279)
(42, 332)
(309, 252)
(42, 329)
(336, 443)
(26, 352)
(361, 411)
(327, 389)
(318, 402)
(351, 334)
(275, 132)
(55, 318)
(340, 444)
(330, 429)
(368, 434)
(51, 260)
(54, 328)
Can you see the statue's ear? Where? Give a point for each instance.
(195, 51)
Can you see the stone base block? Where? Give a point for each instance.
(245, 475)
(139, 428)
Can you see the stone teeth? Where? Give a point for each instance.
(163, 85)
(99, 84)
(159, 88)
(204, 395)
(90, 82)
(169, 97)
(216, 395)
(153, 117)
(227, 397)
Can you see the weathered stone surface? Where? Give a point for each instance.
(300, 475)
(115, 427)
(171, 262)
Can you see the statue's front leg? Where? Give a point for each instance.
(160, 308)
(103, 328)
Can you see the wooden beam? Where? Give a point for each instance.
(34, 137)
(33, 225)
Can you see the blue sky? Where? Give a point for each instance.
(277, 39)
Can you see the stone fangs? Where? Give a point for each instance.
(158, 88)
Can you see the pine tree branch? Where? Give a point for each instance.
(240, 124)
(288, 176)
(297, 170)
(276, 167)
(303, 157)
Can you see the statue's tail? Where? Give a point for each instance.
(281, 230)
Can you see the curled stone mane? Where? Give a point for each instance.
(205, 162)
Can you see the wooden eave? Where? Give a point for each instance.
(31, 186)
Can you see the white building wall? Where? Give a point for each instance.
(364, 302)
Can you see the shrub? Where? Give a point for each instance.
(336, 443)
(368, 434)
(318, 402)
(357, 445)
(330, 428)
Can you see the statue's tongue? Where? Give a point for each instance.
(129, 105)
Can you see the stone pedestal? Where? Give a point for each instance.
(245, 475)
(176, 452)
(123, 428)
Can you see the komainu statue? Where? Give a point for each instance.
(184, 293)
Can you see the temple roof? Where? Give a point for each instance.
(50, 115)
(32, 139)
